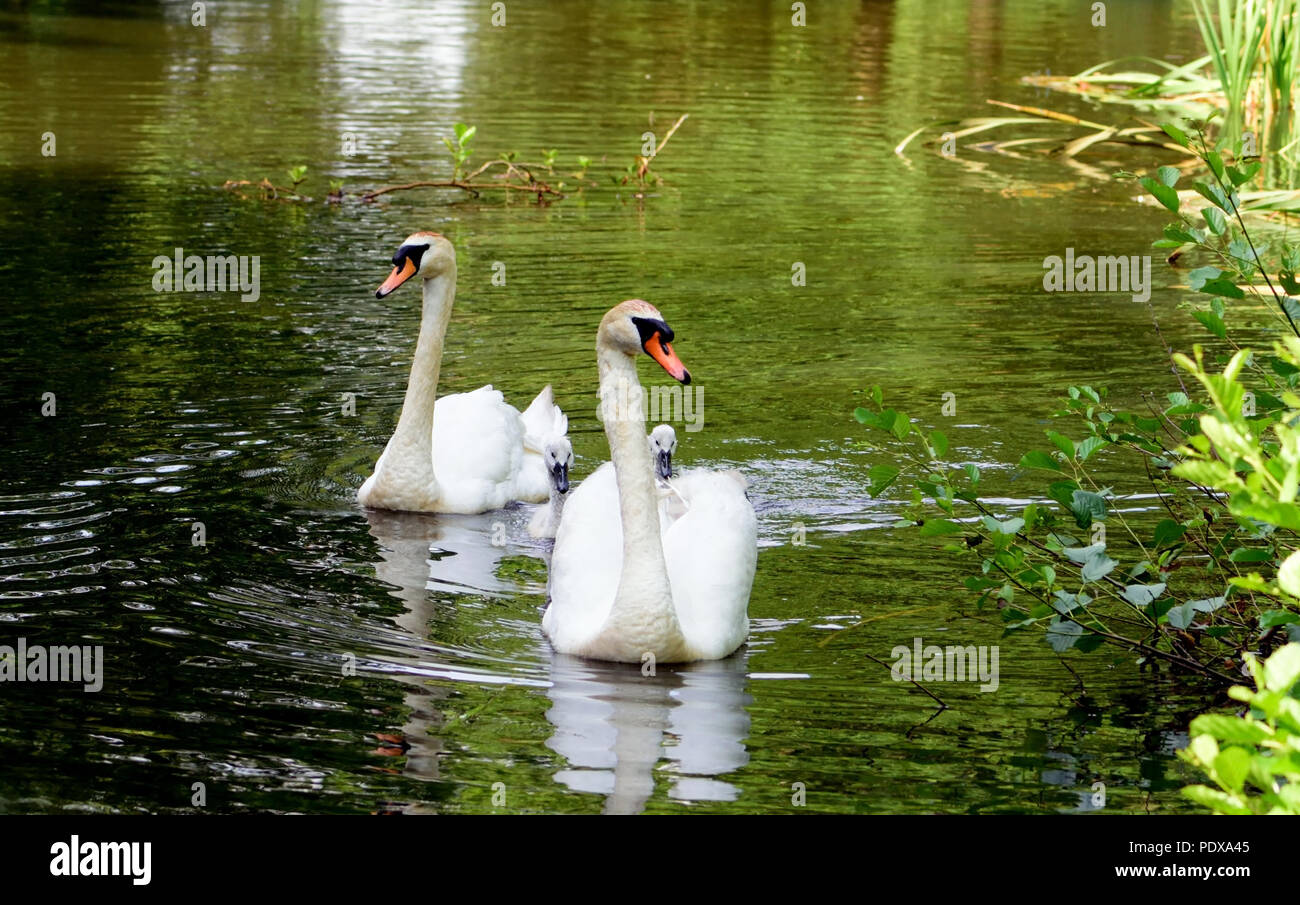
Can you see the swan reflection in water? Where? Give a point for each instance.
(612, 725)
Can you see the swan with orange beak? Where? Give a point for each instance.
(630, 580)
(465, 452)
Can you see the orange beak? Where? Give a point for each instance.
(399, 276)
(663, 353)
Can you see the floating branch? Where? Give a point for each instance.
(505, 174)
(269, 190)
(532, 185)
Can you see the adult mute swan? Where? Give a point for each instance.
(621, 584)
(468, 452)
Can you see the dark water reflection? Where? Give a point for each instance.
(232, 664)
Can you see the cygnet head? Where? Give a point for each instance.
(557, 454)
(663, 443)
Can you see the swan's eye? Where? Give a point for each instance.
(647, 327)
(413, 252)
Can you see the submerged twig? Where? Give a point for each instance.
(938, 700)
(536, 188)
(677, 125)
(270, 191)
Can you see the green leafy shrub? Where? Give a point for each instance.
(1212, 577)
(1254, 759)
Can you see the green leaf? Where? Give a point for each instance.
(1010, 526)
(1243, 173)
(1215, 800)
(1277, 617)
(1168, 175)
(1250, 554)
(1211, 474)
(1283, 515)
(1181, 616)
(1213, 194)
(1089, 642)
(1081, 555)
(1291, 306)
(1215, 220)
(1211, 322)
(1180, 234)
(1232, 766)
(939, 442)
(1087, 507)
(1143, 594)
(1224, 287)
(1176, 134)
(881, 476)
(1288, 575)
(1047, 574)
(1197, 277)
(1062, 491)
(1230, 729)
(1167, 532)
(464, 133)
(1159, 607)
(1282, 669)
(1062, 635)
(940, 526)
(1161, 192)
(1090, 445)
(1098, 567)
(1038, 459)
(1066, 603)
(902, 426)
(1063, 443)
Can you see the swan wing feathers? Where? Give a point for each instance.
(586, 562)
(711, 550)
(543, 420)
(478, 450)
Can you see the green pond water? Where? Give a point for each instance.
(222, 662)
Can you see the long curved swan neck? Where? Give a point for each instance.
(644, 595)
(415, 425)
(404, 477)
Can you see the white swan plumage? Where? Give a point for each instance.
(630, 577)
(466, 452)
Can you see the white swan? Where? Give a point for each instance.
(557, 456)
(469, 452)
(621, 586)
